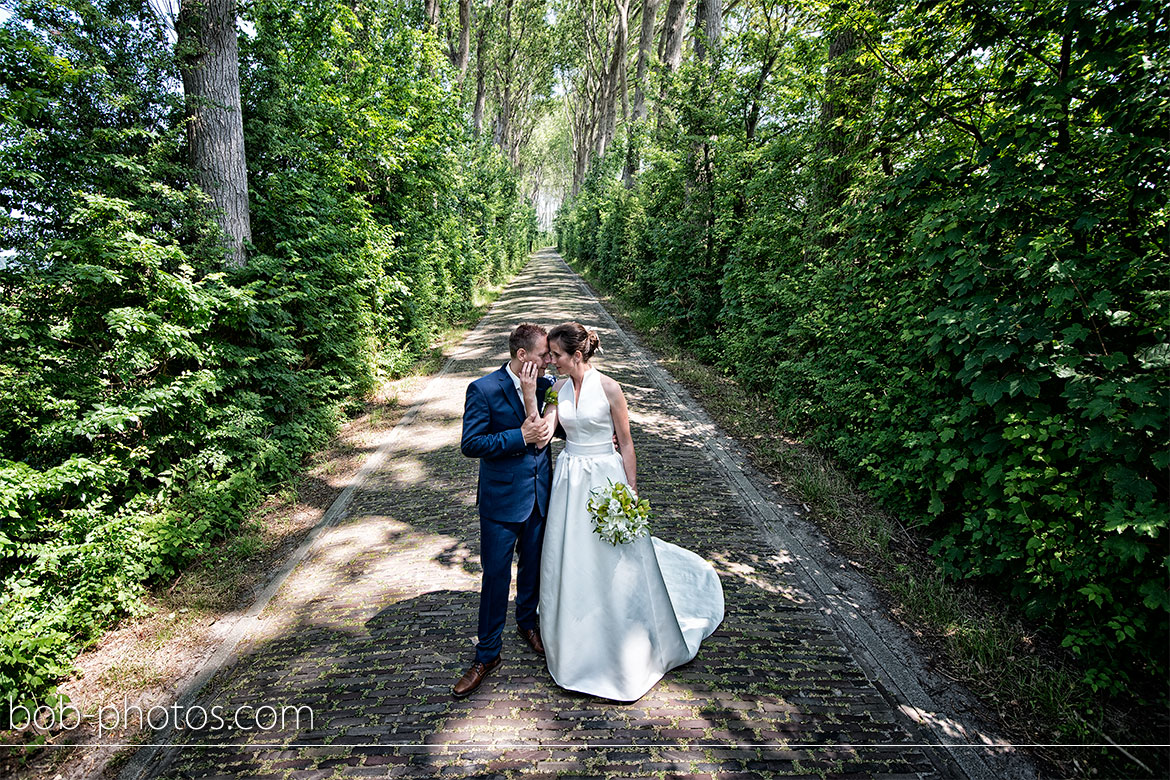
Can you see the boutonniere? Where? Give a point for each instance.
(550, 397)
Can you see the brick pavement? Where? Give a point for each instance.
(377, 622)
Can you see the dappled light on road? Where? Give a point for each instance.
(378, 621)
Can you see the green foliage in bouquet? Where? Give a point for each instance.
(619, 517)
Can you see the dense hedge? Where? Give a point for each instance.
(148, 396)
(976, 327)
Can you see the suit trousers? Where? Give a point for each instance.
(498, 543)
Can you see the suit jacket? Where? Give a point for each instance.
(513, 476)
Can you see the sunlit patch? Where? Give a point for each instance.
(427, 434)
(749, 574)
(446, 400)
(364, 559)
(406, 471)
(950, 728)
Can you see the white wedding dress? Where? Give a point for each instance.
(613, 619)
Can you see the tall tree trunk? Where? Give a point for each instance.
(583, 127)
(673, 36)
(209, 61)
(708, 26)
(481, 71)
(753, 115)
(645, 41)
(464, 52)
(505, 92)
(833, 142)
(670, 49)
(615, 79)
(849, 86)
(708, 30)
(502, 126)
(433, 10)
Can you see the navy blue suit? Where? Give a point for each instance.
(515, 480)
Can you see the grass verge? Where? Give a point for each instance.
(973, 637)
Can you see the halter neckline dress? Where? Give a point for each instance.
(614, 620)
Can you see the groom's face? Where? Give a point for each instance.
(539, 355)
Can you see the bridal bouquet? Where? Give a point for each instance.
(618, 516)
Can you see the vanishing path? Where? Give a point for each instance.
(376, 622)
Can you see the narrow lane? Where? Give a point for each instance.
(377, 621)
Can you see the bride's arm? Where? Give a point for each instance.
(528, 377)
(621, 426)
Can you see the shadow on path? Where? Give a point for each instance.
(376, 623)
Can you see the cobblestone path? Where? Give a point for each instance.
(377, 621)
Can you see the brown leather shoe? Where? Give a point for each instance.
(532, 637)
(470, 681)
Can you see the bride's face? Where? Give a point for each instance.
(561, 360)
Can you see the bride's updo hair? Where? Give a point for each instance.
(574, 338)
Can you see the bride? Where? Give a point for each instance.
(614, 619)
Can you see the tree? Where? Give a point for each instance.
(596, 78)
(850, 84)
(670, 50)
(520, 73)
(459, 49)
(708, 26)
(670, 47)
(208, 54)
(649, 13)
(934, 233)
(482, 52)
(645, 41)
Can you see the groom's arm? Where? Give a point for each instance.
(478, 441)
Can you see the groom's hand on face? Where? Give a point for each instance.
(534, 429)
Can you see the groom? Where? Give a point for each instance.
(515, 479)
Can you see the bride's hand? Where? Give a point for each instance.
(528, 377)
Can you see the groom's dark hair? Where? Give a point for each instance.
(524, 337)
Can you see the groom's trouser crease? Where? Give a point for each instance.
(377, 625)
